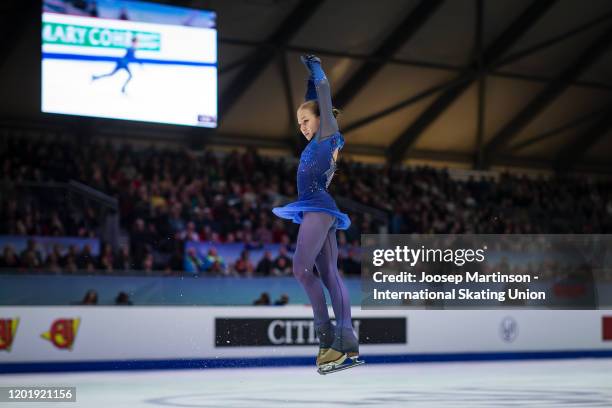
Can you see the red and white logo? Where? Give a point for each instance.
(62, 333)
(8, 329)
(606, 328)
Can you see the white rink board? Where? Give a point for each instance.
(160, 333)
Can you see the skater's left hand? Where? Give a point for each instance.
(309, 60)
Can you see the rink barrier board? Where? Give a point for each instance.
(107, 338)
(291, 361)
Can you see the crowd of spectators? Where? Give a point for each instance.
(215, 265)
(73, 259)
(168, 197)
(91, 298)
(264, 300)
(427, 200)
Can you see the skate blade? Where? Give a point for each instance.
(341, 367)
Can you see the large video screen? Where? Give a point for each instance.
(129, 60)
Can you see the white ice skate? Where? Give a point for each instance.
(343, 354)
(344, 363)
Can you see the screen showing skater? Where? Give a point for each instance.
(129, 60)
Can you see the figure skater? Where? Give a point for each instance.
(319, 218)
(123, 63)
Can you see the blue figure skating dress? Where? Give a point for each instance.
(317, 165)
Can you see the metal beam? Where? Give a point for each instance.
(418, 97)
(396, 61)
(262, 56)
(284, 72)
(342, 54)
(394, 41)
(291, 115)
(550, 93)
(226, 69)
(504, 42)
(398, 148)
(523, 23)
(407, 102)
(573, 152)
(560, 129)
(553, 40)
(546, 80)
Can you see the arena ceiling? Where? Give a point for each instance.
(474, 83)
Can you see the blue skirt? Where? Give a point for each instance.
(321, 202)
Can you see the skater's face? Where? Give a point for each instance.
(308, 121)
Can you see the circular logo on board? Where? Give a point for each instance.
(508, 329)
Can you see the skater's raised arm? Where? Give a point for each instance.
(311, 91)
(328, 126)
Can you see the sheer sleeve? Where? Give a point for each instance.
(328, 125)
